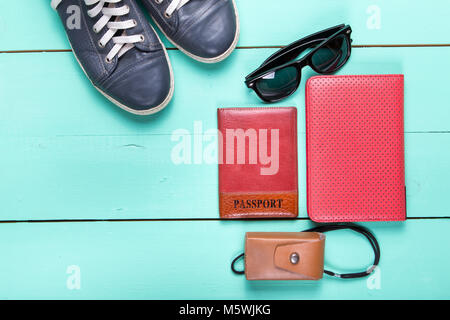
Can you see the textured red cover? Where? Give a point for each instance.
(257, 188)
(355, 148)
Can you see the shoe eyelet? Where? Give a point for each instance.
(108, 60)
(100, 44)
(168, 16)
(94, 29)
(159, 1)
(134, 22)
(142, 38)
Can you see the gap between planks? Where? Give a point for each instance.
(215, 219)
(259, 47)
(194, 134)
(180, 220)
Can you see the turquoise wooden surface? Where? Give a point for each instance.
(77, 144)
(190, 260)
(108, 177)
(373, 22)
(63, 102)
(68, 154)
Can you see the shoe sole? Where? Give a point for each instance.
(220, 58)
(153, 110)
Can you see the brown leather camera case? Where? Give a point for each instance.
(284, 255)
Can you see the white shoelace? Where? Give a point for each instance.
(122, 43)
(174, 5)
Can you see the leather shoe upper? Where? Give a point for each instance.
(207, 30)
(136, 76)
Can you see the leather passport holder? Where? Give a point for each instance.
(284, 255)
(258, 162)
(355, 148)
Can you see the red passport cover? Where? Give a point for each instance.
(355, 148)
(258, 162)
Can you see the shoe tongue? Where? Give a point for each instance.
(191, 9)
(138, 29)
(130, 57)
(126, 61)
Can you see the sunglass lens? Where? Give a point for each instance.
(332, 56)
(278, 84)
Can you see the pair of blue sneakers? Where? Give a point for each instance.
(123, 56)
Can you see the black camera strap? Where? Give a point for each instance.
(333, 227)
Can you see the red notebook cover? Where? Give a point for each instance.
(258, 163)
(355, 148)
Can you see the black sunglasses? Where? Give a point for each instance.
(279, 76)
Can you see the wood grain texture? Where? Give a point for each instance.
(66, 153)
(189, 260)
(47, 94)
(70, 154)
(134, 178)
(263, 23)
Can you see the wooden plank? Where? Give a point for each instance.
(263, 23)
(47, 94)
(191, 260)
(135, 177)
(70, 154)
(66, 153)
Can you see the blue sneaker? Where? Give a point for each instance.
(206, 30)
(119, 52)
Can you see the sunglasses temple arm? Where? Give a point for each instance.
(284, 58)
